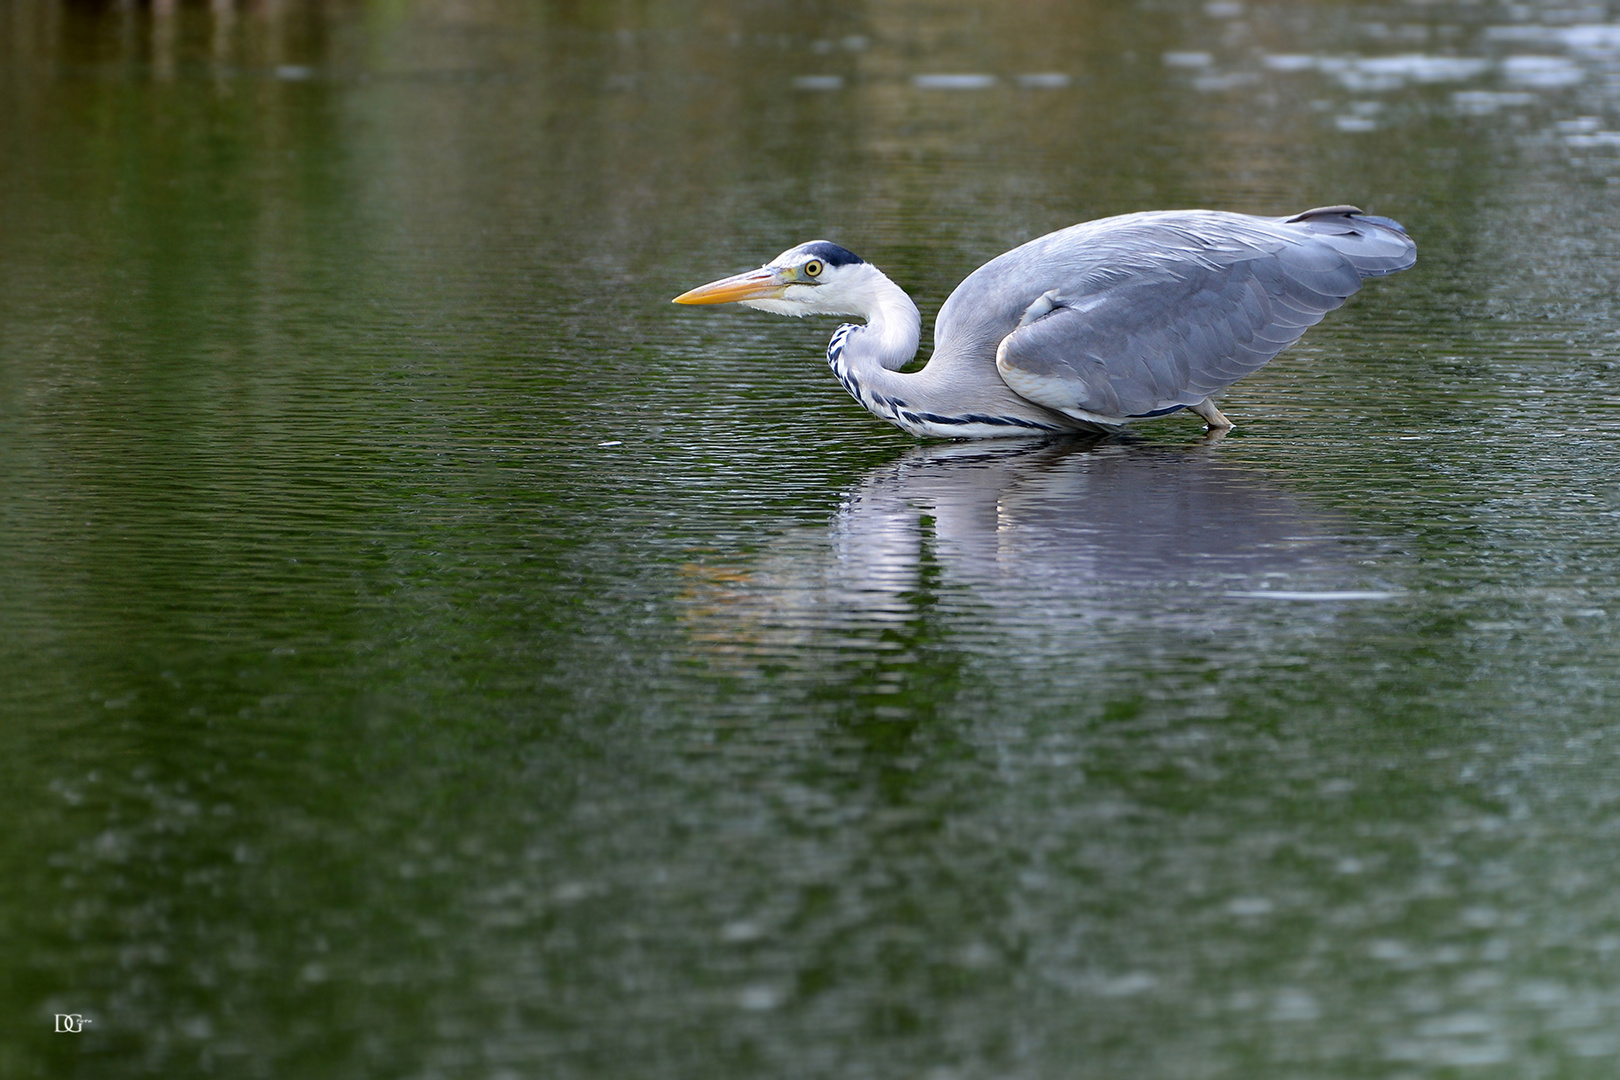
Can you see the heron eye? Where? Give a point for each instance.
(813, 268)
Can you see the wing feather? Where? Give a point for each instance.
(1167, 312)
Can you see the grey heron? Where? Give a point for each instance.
(1087, 328)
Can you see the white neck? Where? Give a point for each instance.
(931, 401)
(867, 358)
(893, 324)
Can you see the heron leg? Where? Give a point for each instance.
(1214, 417)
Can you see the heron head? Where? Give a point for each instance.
(817, 278)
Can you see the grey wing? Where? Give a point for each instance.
(1172, 331)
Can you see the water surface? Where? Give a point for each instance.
(426, 652)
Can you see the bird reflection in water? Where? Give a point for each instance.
(1027, 536)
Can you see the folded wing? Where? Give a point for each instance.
(1164, 310)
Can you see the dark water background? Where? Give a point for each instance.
(425, 652)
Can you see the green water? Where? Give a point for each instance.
(426, 652)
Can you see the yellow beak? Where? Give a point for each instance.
(762, 284)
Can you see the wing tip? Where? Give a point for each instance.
(1347, 211)
(1341, 210)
